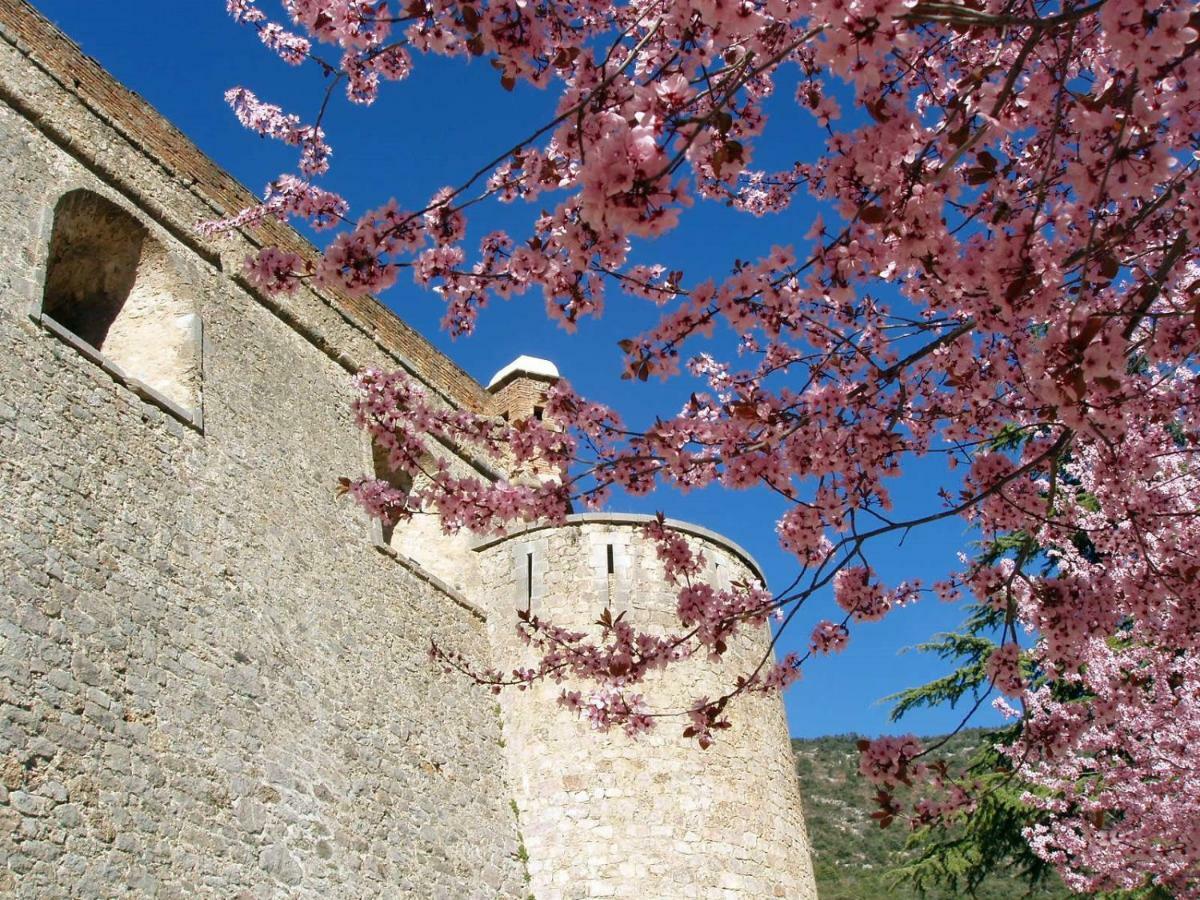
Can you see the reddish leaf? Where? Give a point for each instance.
(1090, 329)
(1020, 286)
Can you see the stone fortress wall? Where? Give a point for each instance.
(213, 674)
(212, 682)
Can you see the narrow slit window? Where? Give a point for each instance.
(610, 581)
(115, 288)
(528, 577)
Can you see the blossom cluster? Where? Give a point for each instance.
(1004, 275)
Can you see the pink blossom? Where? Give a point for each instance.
(1001, 275)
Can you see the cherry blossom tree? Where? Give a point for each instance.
(1004, 275)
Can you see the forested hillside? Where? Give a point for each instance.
(852, 854)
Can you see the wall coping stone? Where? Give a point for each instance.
(429, 578)
(193, 418)
(630, 519)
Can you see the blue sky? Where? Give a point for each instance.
(433, 130)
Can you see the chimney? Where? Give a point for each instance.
(519, 389)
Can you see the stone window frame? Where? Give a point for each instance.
(191, 417)
(370, 467)
(385, 549)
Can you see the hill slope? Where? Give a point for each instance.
(851, 853)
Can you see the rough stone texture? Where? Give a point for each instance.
(211, 682)
(606, 816)
(213, 673)
(518, 396)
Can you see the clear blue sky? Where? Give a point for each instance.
(433, 130)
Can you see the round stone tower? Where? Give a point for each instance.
(604, 815)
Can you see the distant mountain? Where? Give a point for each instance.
(851, 853)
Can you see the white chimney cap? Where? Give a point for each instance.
(526, 365)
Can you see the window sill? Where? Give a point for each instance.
(193, 418)
(425, 575)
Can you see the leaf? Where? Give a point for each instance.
(507, 82)
(1090, 329)
(565, 57)
(730, 151)
(1109, 266)
(878, 110)
(873, 215)
(743, 411)
(1021, 285)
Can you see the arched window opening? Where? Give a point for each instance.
(400, 480)
(114, 287)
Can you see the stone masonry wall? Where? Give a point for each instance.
(212, 683)
(606, 816)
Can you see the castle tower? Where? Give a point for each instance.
(518, 393)
(602, 814)
(519, 389)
